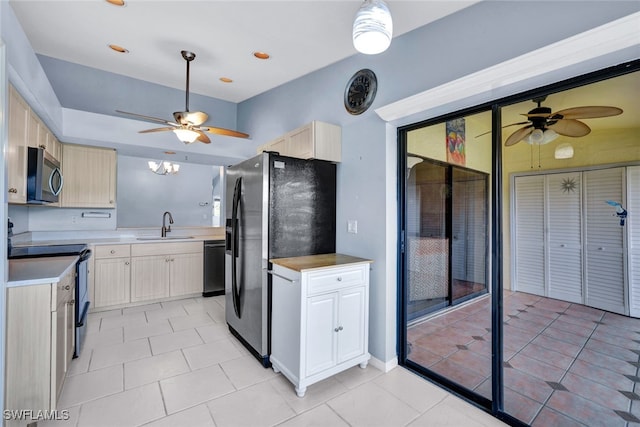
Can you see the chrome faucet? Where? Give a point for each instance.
(165, 229)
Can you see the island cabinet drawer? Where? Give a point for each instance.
(174, 248)
(331, 279)
(112, 251)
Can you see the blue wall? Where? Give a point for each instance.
(473, 39)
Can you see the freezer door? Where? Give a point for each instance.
(245, 290)
(302, 207)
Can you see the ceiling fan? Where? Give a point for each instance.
(543, 125)
(188, 124)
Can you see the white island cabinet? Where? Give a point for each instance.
(320, 316)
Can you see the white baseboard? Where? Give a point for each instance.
(383, 366)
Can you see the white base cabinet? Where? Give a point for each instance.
(320, 318)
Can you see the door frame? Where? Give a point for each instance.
(494, 406)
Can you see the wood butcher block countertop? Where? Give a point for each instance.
(312, 262)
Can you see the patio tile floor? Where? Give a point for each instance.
(565, 364)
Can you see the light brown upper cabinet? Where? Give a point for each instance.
(315, 140)
(17, 148)
(89, 177)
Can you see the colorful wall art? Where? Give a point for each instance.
(456, 141)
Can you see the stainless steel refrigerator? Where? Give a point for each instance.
(276, 207)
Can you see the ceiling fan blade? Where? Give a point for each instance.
(203, 137)
(518, 135)
(149, 118)
(193, 118)
(537, 115)
(588, 112)
(572, 128)
(156, 130)
(505, 126)
(223, 131)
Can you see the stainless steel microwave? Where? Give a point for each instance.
(44, 177)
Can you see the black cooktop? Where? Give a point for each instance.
(46, 251)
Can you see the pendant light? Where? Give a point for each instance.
(372, 27)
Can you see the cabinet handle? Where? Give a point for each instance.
(339, 279)
(112, 252)
(66, 288)
(42, 146)
(338, 329)
(563, 245)
(126, 263)
(111, 201)
(13, 190)
(167, 260)
(601, 249)
(72, 302)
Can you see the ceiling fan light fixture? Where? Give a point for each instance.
(541, 137)
(186, 135)
(564, 151)
(372, 27)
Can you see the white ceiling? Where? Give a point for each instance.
(300, 35)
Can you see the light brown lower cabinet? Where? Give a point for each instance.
(146, 272)
(40, 343)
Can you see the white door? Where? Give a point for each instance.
(351, 317)
(633, 237)
(564, 241)
(528, 238)
(604, 240)
(321, 339)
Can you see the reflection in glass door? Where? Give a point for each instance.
(427, 243)
(446, 307)
(446, 236)
(469, 234)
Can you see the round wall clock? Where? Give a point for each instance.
(360, 91)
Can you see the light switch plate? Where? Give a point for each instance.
(352, 226)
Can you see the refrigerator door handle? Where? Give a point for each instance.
(235, 289)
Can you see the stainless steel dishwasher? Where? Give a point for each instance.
(213, 268)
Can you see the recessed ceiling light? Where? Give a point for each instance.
(226, 80)
(119, 49)
(261, 55)
(169, 152)
(116, 2)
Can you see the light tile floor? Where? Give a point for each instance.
(176, 364)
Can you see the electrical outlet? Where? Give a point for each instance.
(352, 226)
(74, 219)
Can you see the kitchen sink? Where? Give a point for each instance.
(164, 238)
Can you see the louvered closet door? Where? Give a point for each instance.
(604, 267)
(633, 237)
(529, 235)
(564, 236)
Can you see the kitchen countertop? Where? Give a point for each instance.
(313, 262)
(120, 240)
(38, 271)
